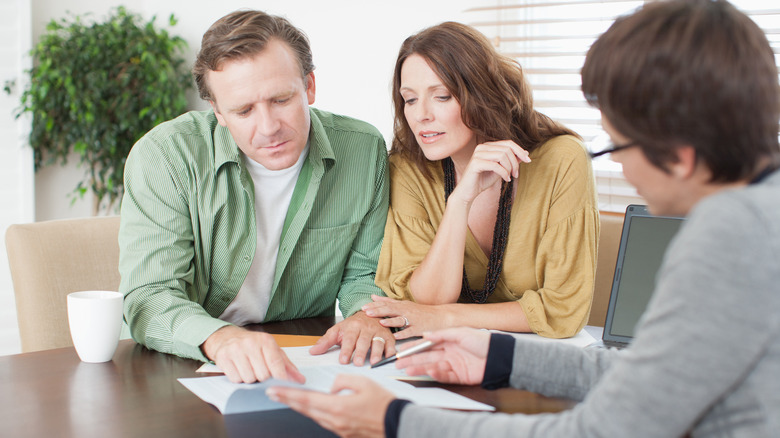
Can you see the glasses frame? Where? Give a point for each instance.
(613, 148)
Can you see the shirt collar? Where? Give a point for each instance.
(764, 174)
(320, 150)
(225, 148)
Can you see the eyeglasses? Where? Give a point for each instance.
(613, 148)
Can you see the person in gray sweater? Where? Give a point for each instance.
(689, 94)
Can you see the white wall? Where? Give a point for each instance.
(16, 177)
(354, 44)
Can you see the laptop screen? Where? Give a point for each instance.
(642, 246)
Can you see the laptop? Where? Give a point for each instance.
(643, 242)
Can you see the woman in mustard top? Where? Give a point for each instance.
(493, 218)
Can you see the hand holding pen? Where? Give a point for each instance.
(408, 352)
(449, 356)
(455, 355)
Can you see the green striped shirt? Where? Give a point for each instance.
(187, 236)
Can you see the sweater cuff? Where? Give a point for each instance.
(500, 355)
(393, 417)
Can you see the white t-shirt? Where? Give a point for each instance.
(273, 193)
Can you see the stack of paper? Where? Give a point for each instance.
(320, 372)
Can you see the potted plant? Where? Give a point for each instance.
(96, 88)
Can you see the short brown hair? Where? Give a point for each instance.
(243, 34)
(496, 101)
(689, 72)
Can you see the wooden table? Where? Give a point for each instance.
(53, 394)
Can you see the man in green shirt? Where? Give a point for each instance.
(263, 209)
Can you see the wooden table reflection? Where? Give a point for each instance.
(53, 393)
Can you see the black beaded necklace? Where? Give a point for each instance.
(500, 234)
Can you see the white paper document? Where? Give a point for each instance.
(320, 372)
(581, 339)
(235, 398)
(301, 358)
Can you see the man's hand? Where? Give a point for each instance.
(359, 411)
(247, 356)
(459, 356)
(356, 335)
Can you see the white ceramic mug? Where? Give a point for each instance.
(95, 319)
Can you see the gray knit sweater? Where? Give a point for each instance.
(706, 356)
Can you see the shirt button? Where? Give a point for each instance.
(246, 258)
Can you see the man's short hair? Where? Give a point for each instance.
(243, 34)
(689, 72)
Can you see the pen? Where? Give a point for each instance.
(408, 352)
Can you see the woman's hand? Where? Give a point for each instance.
(359, 412)
(459, 356)
(412, 318)
(492, 161)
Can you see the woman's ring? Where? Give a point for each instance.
(379, 338)
(406, 323)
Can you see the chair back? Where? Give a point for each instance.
(609, 244)
(51, 259)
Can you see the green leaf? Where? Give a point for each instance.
(96, 87)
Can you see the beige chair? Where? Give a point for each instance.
(609, 243)
(49, 260)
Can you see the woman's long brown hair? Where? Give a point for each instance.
(496, 101)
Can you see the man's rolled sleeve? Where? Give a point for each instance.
(156, 257)
(193, 332)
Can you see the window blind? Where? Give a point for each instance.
(550, 38)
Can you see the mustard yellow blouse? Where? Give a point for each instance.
(550, 258)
